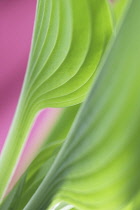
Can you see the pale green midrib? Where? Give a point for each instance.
(13, 146)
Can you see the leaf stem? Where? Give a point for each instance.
(14, 144)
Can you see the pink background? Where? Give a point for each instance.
(16, 24)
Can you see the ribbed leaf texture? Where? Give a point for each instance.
(68, 43)
(98, 166)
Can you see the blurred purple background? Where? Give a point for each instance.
(16, 24)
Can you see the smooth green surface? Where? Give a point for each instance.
(119, 7)
(98, 166)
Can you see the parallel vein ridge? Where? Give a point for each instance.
(68, 41)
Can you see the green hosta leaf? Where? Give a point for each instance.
(98, 166)
(69, 39)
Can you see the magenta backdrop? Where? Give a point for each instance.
(16, 24)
